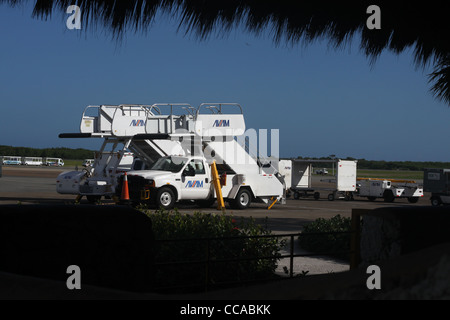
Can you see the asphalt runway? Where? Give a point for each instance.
(27, 185)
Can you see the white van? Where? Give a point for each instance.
(57, 162)
(88, 162)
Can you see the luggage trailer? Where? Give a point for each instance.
(303, 184)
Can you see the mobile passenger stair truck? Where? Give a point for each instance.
(302, 183)
(183, 151)
(389, 190)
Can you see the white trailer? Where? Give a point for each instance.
(340, 186)
(193, 135)
(389, 190)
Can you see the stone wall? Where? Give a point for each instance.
(388, 233)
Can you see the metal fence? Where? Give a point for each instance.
(208, 262)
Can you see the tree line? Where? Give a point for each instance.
(389, 165)
(78, 154)
(64, 153)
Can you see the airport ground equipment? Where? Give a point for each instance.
(389, 190)
(176, 141)
(437, 182)
(302, 183)
(123, 130)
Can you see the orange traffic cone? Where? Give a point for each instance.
(125, 194)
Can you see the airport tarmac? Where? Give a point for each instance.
(31, 185)
(37, 185)
(24, 185)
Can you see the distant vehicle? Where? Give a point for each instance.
(12, 160)
(98, 178)
(32, 161)
(322, 171)
(57, 162)
(298, 177)
(436, 181)
(88, 162)
(389, 190)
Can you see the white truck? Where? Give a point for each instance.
(302, 183)
(198, 135)
(389, 190)
(174, 178)
(57, 162)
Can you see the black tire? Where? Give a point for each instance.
(413, 199)
(243, 200)
(388, 196)
(435, 201)
(165, 198)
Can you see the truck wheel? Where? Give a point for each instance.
(435, 201)
(331, 197)
(413, 199)
(388, 197)
(165, 198)
(243, 199)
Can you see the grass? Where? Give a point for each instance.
(390, 174)
(73, 163)
(361, 173)
(384, 174)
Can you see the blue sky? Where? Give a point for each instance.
(324, 101)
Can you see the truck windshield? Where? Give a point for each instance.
(172, 164)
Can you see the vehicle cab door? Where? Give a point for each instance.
(195, 182)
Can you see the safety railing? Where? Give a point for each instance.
(216, 108)
(205, 265)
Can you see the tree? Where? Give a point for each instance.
(422, 28)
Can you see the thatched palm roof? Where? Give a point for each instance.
(423, 27)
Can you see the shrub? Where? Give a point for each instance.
(200, 237)
(336, 245)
